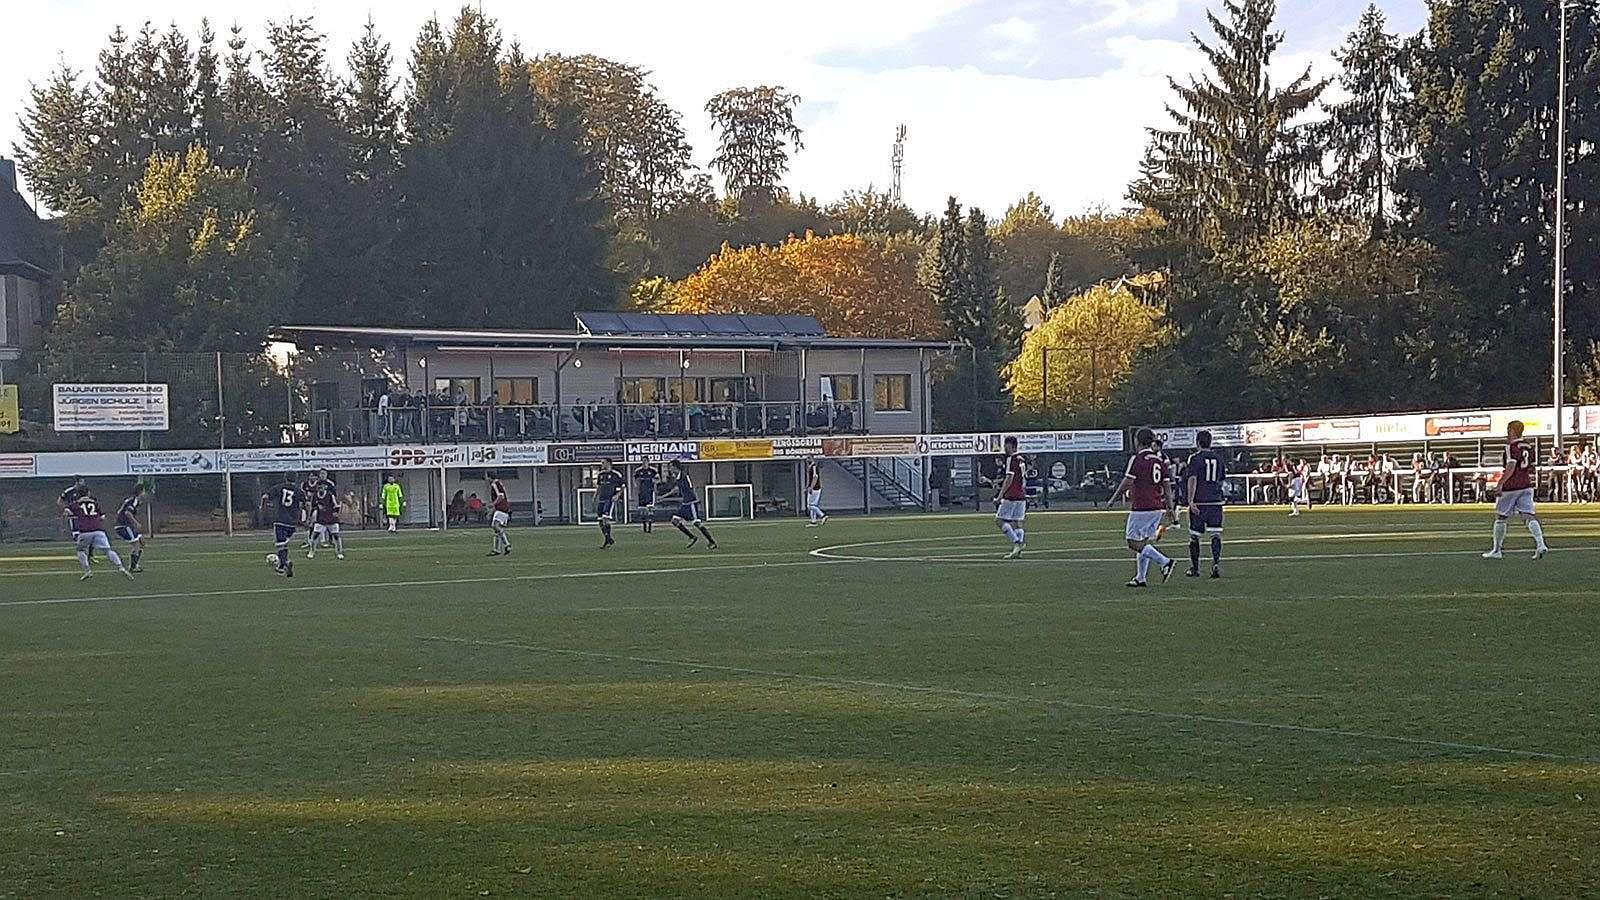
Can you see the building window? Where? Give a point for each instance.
(841, 388)
(516, 391)
(730, 390)
(891, 393)
(686, 390)
(452, 389)
(641, 390)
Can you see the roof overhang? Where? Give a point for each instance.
(463, 340)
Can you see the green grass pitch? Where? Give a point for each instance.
(1361, 707)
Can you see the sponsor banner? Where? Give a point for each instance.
(1273, 434)
(887, 445)
(1088, 441)
(1177, 437)
(16, 465)
(800, 448)
(1331, 431)
(743, 449)
(1589, 419)
(582, 454)
(345, 457)
(437, 456)
(99, 462)
(10, 417)
(110, 407)
(1392, 428)
(952, 444)
(508, 455)
(1470, 425)
(172, 462)
(1032, 442)
(661, 451)
(836, 447)
(263, 459)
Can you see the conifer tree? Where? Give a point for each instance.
(1363, 136)
(1231, 164)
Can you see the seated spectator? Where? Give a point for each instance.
(456, 511)
(476, 510)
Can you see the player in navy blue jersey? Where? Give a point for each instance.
(1203, 476)
(607, 487)
(287, 502)
(128, 526)
(681, 490)
(647, 475)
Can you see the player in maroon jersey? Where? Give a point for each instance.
(325, 513)
(88, 522)
(501, 517)
(1516, 493)
(1012, 498)
(1149, 484)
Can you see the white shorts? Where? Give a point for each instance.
(326, 529)
(500, 518)
(93, 540)
(1515, 503)
(1012, 510)
(1297, 488)
(813, 498)
(1143, 524)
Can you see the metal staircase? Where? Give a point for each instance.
(897, 482)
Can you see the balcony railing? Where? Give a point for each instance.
(547, 421)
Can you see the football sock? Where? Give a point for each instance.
(1216, 549)
(1194, 553)
(605, 529)
(1156, 556)
(83, 560)
(1499, 533)
(1537, 530)
(136, 555)
(1009, 531)
(1022, 536)
(338, 543)
(1143, 566)
(685, 529)
(283, 555)
(116, 560)
(702, 530)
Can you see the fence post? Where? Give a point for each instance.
(1044, 385)
(222, 446)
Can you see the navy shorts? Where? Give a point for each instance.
(1209, 520)
(604, 507)
(689, 512)
(282, 533)
(128, 533)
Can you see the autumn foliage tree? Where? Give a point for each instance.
(1091, 342)
(856, 287)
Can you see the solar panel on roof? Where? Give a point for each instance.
(763, 325)
(688, 325)
(802, 326)
(600, 322)
(724, 325)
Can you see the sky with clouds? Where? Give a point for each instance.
(999, 96)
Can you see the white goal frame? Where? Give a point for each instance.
(580, 516)
(749, 492)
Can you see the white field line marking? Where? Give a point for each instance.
(285, 588)
(984, 548)
(994, 697)
(1282, 557)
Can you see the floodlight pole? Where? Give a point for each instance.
(1561, 216)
